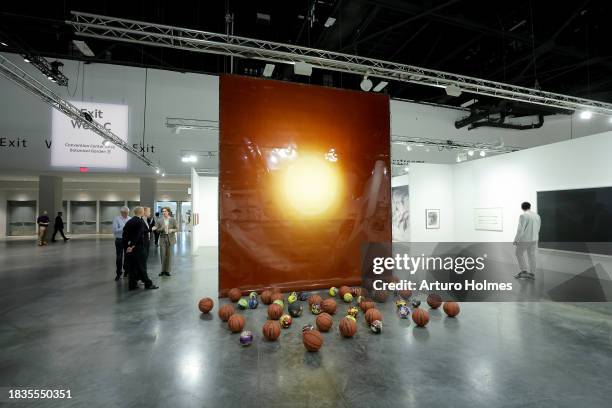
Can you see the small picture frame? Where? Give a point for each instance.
(432, 219)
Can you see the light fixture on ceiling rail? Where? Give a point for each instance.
(409, 148)
(157, 171)
(329, 22)
(366, 84)
(106, 143)
(483, 153)
(586, 114)
(302, 68)
(469, 103)
(380, 86)
(406, 169)
(2, 43)
(192, 158)
(268, 70)
(442, 145)
(178, 124)
(453, 90)
(83, 48)
(124, 30)
(470, 153)
(163, 175)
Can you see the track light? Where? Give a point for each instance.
(366, 84)
(189, 159)
(409, 148)
(380, 86)
(470, 153)
(3, 44)
(329, 22)
(106, 143)
(586, 114)
(406, 169)
(453, 90)
(25, 59)
(483, 153)
(610, 119)
(163, 174)
(157, 171)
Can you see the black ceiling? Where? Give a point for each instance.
(559, 46)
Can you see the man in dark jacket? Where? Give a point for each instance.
(59, 227)
(135, 252)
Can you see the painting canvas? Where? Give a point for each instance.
(432, 219)
(400, 217)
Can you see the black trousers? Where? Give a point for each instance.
(136, 265)
(120, 252)
(156, 233)
(55, 231)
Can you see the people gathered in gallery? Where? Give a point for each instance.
(135, 242)
(118, 224)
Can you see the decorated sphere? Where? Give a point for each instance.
(253, 303)
(279, 302)
(243, 304)
(253, 295)
(314, 299)
(403, 311)
(353, 311)
(315, 308)
(303, 296)
(295, 310)
(293, 297)
(400, 302)
(344, 290)
(307, 327)
(415, 303)
(246, 338)
(376, 326)
(351, 318)
(348, 298)
(333, 291)
(285, 321)
(276, 296)
(359, 299)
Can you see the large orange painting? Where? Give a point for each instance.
(304, 183)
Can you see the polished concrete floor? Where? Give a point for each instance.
(65, 324)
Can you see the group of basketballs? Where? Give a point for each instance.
(323, 309)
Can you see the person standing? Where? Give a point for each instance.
(156, 231)
(150, 221)
(167, 238)
(58, 226)
(118, 224)
(133, 241)
(526, 241)
(43, 224)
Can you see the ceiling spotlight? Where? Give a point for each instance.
(189, 159)
(157, 171)
(586, 114)
(406, 169)
(163, 174)
(610, 119)
(427, 149)
(409, 148)
(458, 159)
(366, 84)
(329, 22)
(25, 59)
(483, 153)
(470, 152)
(380, 86)
(453, 90)
(3, 44)
(106, 143)
(83, 48)
(302, 68)
(268, 70)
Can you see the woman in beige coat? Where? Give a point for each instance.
(167, 238)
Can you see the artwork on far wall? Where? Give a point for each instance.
(488, 219)
(400, 214)
(432, 219)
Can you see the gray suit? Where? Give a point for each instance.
(526, 240)
(167, 239)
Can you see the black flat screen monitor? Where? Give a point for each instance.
(576, 220)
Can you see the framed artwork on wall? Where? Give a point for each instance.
(432, 219)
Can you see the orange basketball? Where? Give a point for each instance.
(344, 290)
(271, 330)
(277, 296)
(314, 299)
(420, 317)
(434, 300)
(451, 308)
(275, 311)
(348, 327)
(225, 312)
(235, 323)
(276, 290)
(234, 294)
(405, 294)
(312, 340)
(205, 305)
(324, 322)
(266, 297)
(381, 296)
(373, 314)
(329, 306)
(367, 305)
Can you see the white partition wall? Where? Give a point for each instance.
(204, 199)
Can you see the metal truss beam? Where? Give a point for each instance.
(452, 144)
(138, 32)
(21, 78)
